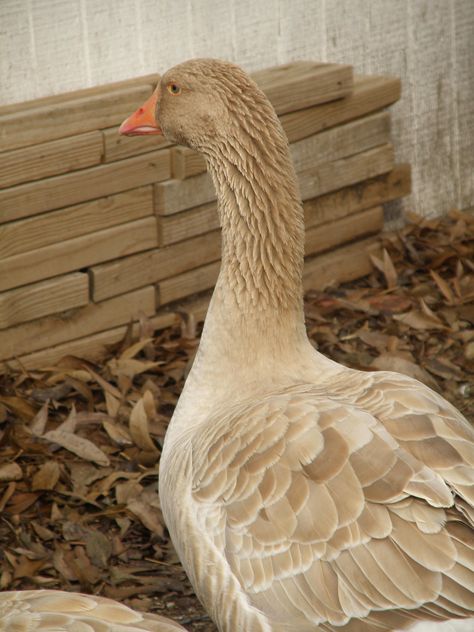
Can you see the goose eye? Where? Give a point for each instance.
(174, 88)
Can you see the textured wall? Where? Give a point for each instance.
(52, 46)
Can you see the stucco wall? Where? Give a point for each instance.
(52, 46)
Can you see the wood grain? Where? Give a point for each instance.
(300, 84)
(341, 141)
(58, 226)
(29, 199)
(369, 94)
(341, 265)
(327, 236)
(118, 276)
(92, 318)
(41, 299)
(356, 197)
(173, 196)
(188, 283)
(91, 347)
(50, 159)
(346, 171)
(74, 254)
(65, 115)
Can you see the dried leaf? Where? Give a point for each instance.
(47, 476)
(99, 548)
(389, 271)
(39, 421)
(443, 287)
(10, 472)
(118, 434)
(139, 427)
(78, 445)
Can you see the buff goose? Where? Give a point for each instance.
(300, 494)
(59, 611)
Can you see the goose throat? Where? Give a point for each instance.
(261, 218)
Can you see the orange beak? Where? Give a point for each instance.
(143, 121)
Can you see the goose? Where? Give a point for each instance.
(60, 611)
(300, 494)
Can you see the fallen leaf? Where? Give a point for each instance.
(139, 426)
(10, 472)
(47, 476)
(78, 445)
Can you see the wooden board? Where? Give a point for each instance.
(117, 147)
(327, 236)
(74, 254)
(356, 197)
(341, 141)
(124, 274)
(90, 347)
(300, 84)
(346, 171)
(90, 319)
(29, 199)
(50, 159)
(58, 226)
(188, 283)
(314, 182)
(173, 196)
(341, 265)
(187, 224)
(369, 94)
(41, 299)
(47, 119)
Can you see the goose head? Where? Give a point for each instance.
(197, 103)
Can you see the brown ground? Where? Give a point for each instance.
(79, 508)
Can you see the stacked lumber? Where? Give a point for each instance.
(97, 230)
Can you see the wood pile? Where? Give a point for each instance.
(97, 229)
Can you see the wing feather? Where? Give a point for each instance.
(342, 504)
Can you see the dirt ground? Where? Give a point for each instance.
(80, 442)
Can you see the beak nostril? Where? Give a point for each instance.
(140, 111)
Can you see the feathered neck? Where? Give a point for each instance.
(261, 218)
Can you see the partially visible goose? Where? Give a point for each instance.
(300, 494)
(59, 611)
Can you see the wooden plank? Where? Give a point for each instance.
(321, 179)
(357, 197)
(65, 97)
(58, 226)
(187, 224)
(301, 84)
(41, 299)
(346, 171)
(341, 265)
(77, 253)
(50, 159)
(117, 147)
(94, 317)
(40, 121)
(90, 347)
(341, 141)
(327, 236)
(188, 283)
(369, 94)
(173, 196)
(124, 274)
(29, 199)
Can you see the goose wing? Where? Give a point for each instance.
(35, 610)
(333, 509)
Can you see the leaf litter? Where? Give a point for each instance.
(80, 442)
